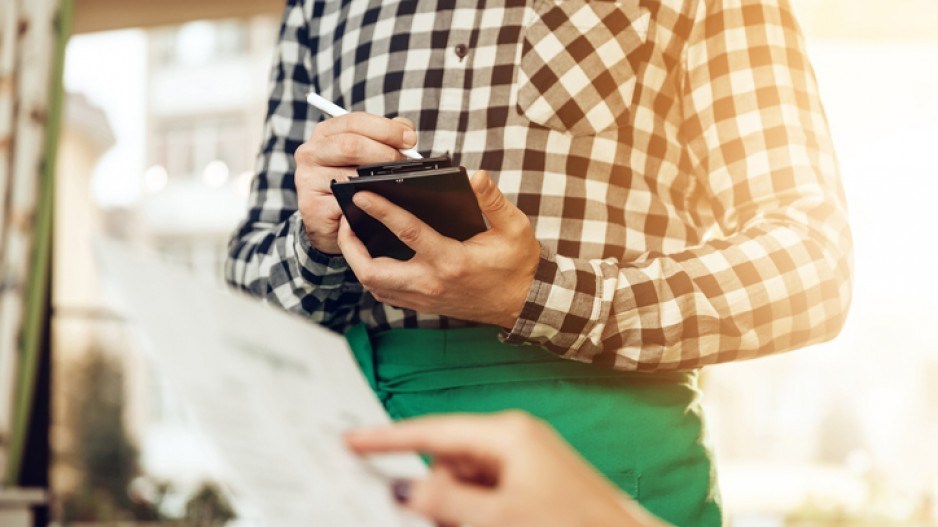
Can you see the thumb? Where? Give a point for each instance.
(443, 499)
(493, 203)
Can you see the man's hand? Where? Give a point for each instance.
(336, 146)
(485, 279)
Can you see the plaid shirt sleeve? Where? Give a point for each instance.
(778, 275)
(269, 254)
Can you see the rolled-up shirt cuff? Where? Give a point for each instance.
(316, 266)
(566, 306)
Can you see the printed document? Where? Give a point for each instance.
(272, 392)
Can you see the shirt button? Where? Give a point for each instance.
(461, 50)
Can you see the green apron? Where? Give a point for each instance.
(643, 431)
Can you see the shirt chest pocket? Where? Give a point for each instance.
(578, 63)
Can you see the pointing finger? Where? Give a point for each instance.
(417, 235)
(382, 274)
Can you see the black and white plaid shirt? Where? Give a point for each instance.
(672, 156)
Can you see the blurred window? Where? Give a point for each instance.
(200, 42)
(186, 146)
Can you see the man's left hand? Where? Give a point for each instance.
(484, 279)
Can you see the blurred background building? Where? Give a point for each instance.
(161, 129)
(204, 123)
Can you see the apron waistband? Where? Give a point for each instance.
(418, 359)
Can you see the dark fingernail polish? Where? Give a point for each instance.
(401, 490)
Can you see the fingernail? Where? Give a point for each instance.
(410, 138)
(362, 201)
(401, 490)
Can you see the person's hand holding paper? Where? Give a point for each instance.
(507, 469)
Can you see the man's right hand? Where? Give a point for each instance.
(335, 148)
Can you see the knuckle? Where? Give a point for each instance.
(520, 227)
(454, 270)
(355, 120)
(349, 146)
(409, 234)
(366, 278)
(341, 124)
(355, 123)
(521, 424)
(391, 131)
(435, 288)
(495, 201)
(303, 154)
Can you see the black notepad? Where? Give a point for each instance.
(431, 189)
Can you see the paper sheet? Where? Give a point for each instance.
(271, 391)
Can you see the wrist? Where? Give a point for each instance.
(326, 246)
(310, 258)
(325, 249)
(307, 244)
(522, 289)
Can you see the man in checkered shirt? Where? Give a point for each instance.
(662, 193)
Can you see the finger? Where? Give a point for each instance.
(391, 299)
(383, 274)
(468, 470)
(353, 249)
(443, 498)
(320, 178)
(499, 211)
(450, 435)
(378, 128)
(343, 150)
(402, 299)
(416, 234)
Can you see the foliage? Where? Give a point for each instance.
(103, 455)
(107, 459)
(209, 507)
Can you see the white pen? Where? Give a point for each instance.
(334, 110)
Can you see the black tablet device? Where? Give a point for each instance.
(431, 189)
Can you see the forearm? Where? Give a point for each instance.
(275, 262)
(775, 286)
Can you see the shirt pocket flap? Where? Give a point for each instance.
(577, 70)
